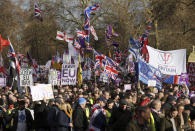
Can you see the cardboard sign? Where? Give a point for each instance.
(68, 74)
(151, 83)
(26, 78)
(41, 91)
(53, 77)
(2, 82)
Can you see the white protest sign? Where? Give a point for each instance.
(103, 77)
(127, 87)
(2, 82)
(68, 74)
(41, 91)
(26, 78)
(53, 77)
(151, 83)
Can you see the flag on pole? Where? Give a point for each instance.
(60, 35)
(87, 12)
(80, 80)
(13, 54)
(3, 43)
(93, 32)
(110, 71)
(81, 34)
(37, 12)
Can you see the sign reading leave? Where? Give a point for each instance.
(26, 78)
(68, 74)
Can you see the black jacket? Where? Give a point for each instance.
(157, 120)
(119, 119)
(52, 118)
(40, 116)
(79, 118)
(63, 121)
(14, 119)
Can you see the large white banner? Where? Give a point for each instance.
(168, 62)
(41, 91)
(68, 74)
(26, 78)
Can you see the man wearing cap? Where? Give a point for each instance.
(98, 116)
(80, 122)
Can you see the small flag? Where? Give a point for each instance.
(3, 43)
(13, 54)
(60, 35)
(37, 12)
(93, 32)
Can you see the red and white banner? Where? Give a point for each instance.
(168, 62)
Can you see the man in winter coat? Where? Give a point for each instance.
(80, 122)
(120, 117)
(21, 118)
(98, 116)
(52, 115)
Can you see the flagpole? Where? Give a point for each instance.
(94, 70)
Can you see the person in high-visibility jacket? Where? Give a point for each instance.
(108, 108)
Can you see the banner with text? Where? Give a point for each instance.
(41, 91)
(26, 78)
(68, 74)
(168, 62)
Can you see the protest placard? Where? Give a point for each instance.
(103, 77)
(26, 78)
(151, 83)
(41, 91)
(68, 74)
(53, 77)
(2, 82)
(127, 87)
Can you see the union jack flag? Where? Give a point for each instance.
(93, 32)
(117, 55)
(13, 54)
(37, 12)
(111, 62)
(100, 60)
(87, 12)
(111, 71)
(76, 45)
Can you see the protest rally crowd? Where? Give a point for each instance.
(142, 89)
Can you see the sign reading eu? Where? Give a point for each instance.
(68, 74)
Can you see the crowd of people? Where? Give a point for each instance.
(100, 107)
